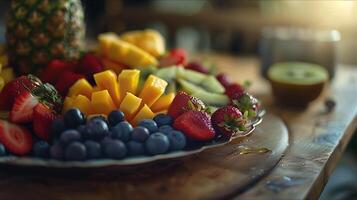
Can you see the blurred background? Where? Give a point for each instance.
(239, 27)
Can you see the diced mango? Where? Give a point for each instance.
(153, 88)
(83, 104)
(130, 105)
(105, 41)
(144, 113)
(2, 83)
(67, 104)
(81, 86)
(108, 80)
(7, 74)
(102, 102)
(116, 67)
(128, 81)
(163, 102)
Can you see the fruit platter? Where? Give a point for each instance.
(130, 101)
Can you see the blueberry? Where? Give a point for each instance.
(69, 136)
(177, 140)
(82, 129)
(165, 129)
(115, 149)
(95, 129)
(73, 118)
(100, 117)
(135, 148)
(56, 151)
(2, 150)
(157, 143)
(149, 124)
(121, 131)
(115, 117)
(75, 151)
(41, 149)
(140, 134)
(93, 149)
(162, 119)
(58, 127)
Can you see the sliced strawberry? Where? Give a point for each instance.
(89, 64)
(234, 91)
(22, 110)
(174, 57)
(55, 68)
(196, 125)
(224, 80)
(16, 139)
(228, 120)
(197, 67)
(42, 121)
(67, 79)
(183, 103)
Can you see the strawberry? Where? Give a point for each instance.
(196, 125)
(234, 91)
(68, 78)
(228, 120)
(22, 110)
(89, 64)
(42, 121)
(224, 80)
(55, 68)
(16, 139)
(197, 67)
(247, 104)
(174, 57)
(15, 88)
(183, 103)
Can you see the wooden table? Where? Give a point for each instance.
(317, 140)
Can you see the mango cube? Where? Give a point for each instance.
(108, 80)
(153, 88)
(102, 103)
(130, 105)
(7, 74)
(163, 102)
(81, 86)
(128, 81)
(67, 104)
(105, 41)
(144, 113)
(83, 104)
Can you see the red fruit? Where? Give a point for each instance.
(22, 110)
(228, 120)
(15, 88)
(175, 57)
(54, 70)
(42, 120)
(16, 139)
(67, 79)
(196, 125)
(224, 80)
(197, 67)
(183, 103)
(89, 64)
(234, 91)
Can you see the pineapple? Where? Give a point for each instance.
(41, 30)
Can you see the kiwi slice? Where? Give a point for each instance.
(191, 76)
(211, 84)
(211, 99)
(297, 83)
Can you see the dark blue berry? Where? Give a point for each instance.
(157, 143)
(165, 129)
(41, 149)
(93, 149)
(115, 149)
(121, 131)
(75, 151)
(82, 129)
(135, 148)
(96, 129)
(149, 124)
(57, 127)
(73, 118)
(115, 117)
(2, 150)
(140, 134)
(177, 140)
(100, 117)
(70, 136)
(56, 151)
(162, 119)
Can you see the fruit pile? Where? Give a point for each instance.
(130, 98)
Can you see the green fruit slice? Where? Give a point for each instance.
(211, 84)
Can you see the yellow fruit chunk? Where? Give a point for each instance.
(82, 86)
(102, 103)
(83, 104)
(67, 104)
(128, 81)
(2, 83)
(108, 80)
(149, 40)
(130, 105)
(7, 74)
(144, 113)
(116, 67)
(153, 88)
(163, 102)
(105, 40)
